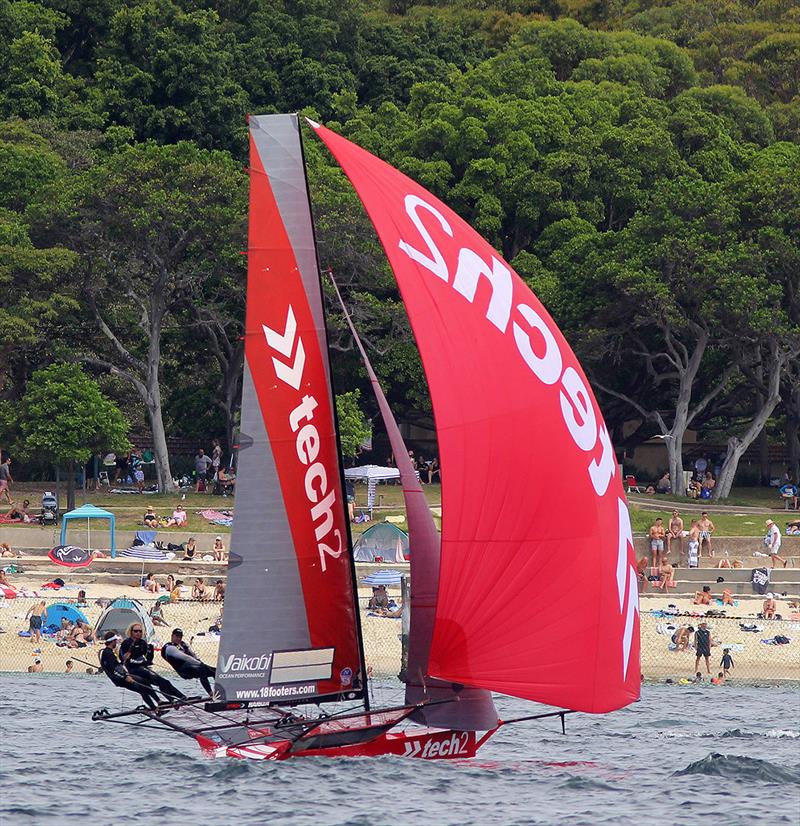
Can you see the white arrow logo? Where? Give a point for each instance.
(413, 748)
(284, 344)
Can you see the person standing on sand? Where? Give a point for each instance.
(773, 542)
(726, 662)
(675, 534)
(706, 529)
(702, 645)
(657, 542)
(35, 617)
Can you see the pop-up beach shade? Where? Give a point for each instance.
(88, 512)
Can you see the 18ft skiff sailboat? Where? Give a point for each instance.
(531, 590)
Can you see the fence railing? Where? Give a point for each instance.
(756, 655)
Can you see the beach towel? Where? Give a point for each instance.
(224, 518)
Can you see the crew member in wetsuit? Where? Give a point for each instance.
(116, 672)
(137, 656)
(185, 662)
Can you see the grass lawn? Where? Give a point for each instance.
(129, 509)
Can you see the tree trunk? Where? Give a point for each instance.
(232, 392)
(793, 432)
(738, 445)
(160, 452)
(71, 485)
(153, 400)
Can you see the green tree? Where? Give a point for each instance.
(354, 428)
(152, 225)
(64, 418)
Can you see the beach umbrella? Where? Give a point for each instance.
(147, 553)
(70, 556)
(383, 578)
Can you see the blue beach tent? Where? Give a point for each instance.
(88, 512)
(61, 610)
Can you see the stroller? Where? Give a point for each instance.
(49, 509)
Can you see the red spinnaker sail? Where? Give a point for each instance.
(537, 592)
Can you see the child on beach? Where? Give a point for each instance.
(718, 680)
(726, 662)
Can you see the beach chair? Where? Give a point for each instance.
(632, 485)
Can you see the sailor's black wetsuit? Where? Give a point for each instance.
(115, 672)
(141, 656)
(187, 664)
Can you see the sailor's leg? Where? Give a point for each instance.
(165, 686)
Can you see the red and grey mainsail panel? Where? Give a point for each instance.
(290, 628)
(537, 593)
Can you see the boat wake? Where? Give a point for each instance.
(736, 767)
(734, 734)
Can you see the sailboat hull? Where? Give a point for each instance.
(416, 743)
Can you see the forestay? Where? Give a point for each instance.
(537, 592)
(290, 628)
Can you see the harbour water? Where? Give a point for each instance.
(681, 755)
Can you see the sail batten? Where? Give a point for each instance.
(537, 588)
(290, 629)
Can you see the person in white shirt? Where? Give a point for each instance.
(773, 542)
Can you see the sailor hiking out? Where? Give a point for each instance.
(137, 657)
(185, 662)
(115, 671)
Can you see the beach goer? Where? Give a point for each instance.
(216, 455)
(666, 575)
(201, 465)
(175, 593)
(137, 470)
(170, 583)
(675, 535)
(150, 520)
(118, 674)
(693, 556)
(683, 637)
(37, 666)
(185, 662)
(703, 597)
(641, 573)
(190, 549)
(702, 647)
(179, 517)
(664, 485)
(68, 667)
(157, 614)
(35, 617)
(718, 680)
(698, 677)
(769, 607)
(219, 591)
(199, 590)
(657, 534)
(218, 550)
(6, 552)
(82, 603)
(727, 597)
(137, 656)
(6, 479)
(706, 529)
(773, 542)
(150, 584)
(379, 600)
(726, 662)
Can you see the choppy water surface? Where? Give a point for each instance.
(682, 755)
